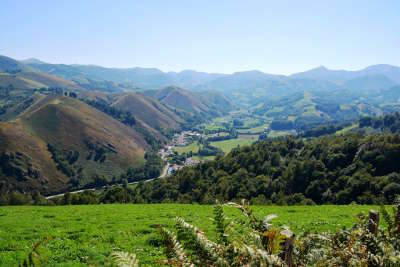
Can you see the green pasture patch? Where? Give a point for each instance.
(86, 235)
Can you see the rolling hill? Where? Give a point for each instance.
(255, 82)
(340, 76)
(148, 110)
(60, 142)
(143, 78)
(21, 76)
(180, 99)
(203, 104)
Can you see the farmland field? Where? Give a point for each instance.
(86, 235)
(193, 147)
(258, 129)
(203, 158)
(228, 145)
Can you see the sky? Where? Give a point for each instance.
(281, 37)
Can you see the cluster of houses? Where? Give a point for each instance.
(182, 139)
(175, 167)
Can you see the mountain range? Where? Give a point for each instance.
(67, 126)
(152, 78)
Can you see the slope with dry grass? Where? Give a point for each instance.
(72, 128)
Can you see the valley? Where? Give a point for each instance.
(81, 135)
(317, 148)
(202, 133)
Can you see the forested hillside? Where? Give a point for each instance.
(334, 169)
(389, 123)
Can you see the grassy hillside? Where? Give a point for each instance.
(10, 65)
(34, 80)
(195, 107)
(86, 235)
(181, 99)
(60, 141)
(148, 110)
(22, 76)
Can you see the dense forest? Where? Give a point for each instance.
(333, 169)
(287, 171)
(389, 123)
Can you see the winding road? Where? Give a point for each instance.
(163, 174)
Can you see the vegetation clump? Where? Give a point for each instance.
(256, 242)
(287, 171)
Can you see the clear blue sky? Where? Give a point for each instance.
(213, 36)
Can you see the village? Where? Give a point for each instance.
(179, 140)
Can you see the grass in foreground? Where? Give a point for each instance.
(87, 235)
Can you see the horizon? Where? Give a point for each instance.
(223, 37)
(222, 73)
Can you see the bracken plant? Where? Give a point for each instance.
(256, 242)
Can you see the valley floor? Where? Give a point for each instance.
(86, 235)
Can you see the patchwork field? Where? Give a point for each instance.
(228, 145)
(86, 235)
(193, 147)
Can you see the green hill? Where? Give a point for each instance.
(60, 142)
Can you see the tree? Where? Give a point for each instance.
(67, 198)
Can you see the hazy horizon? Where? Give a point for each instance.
(216, 37)
(226, 73)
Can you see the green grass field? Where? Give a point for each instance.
(203, 158)
(258, 129)
(214, 127)
(86, 235)
(194, 147)
(228, 145)
(273, 134)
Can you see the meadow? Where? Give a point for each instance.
(86, 235)
(193, 147)
(228, 145)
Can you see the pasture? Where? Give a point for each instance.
(228, 145)
(86, 235)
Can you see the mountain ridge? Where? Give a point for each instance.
(154, 78)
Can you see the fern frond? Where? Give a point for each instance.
(386, 216)
(206, 249)
(221, 224)
(255, 223)
(252, 256)
(396, 211)
(267, 219)
(125, 259)
(33, 258)
(174, 249)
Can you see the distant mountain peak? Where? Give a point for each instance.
(322, 67)
(32, 60)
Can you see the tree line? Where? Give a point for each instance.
(332, 169)
(287, 171)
